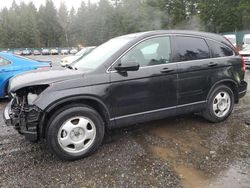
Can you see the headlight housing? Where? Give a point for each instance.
(31, 98)
(31, 93)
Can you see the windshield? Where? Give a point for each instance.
(100, 54)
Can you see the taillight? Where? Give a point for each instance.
(243, 64)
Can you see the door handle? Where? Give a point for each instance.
(166, 70)
(212, 64)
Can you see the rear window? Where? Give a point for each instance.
(191, 48)
(219, 50)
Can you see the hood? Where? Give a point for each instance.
(42, 77)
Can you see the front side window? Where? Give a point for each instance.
(191, 48)
(155, 51)
(3, 61)
(219, 50)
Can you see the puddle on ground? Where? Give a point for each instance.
(186, 140)
(163, 153)
(191, 177)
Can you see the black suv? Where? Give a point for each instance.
(127, 80)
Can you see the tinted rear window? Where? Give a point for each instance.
(219, 50)
(191, 48)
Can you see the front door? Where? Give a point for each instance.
(150, 92)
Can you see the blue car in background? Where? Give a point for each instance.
(11, 65)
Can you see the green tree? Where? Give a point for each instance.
(74, 29)
(28, 32)
(50, 28)
(63, 18)
(220, 16)
(244, 11)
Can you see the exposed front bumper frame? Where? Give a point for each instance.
(26, 123)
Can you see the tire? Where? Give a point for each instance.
(220, 104)
(75, 132)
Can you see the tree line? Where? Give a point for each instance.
(23, 25)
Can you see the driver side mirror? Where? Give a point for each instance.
(127, 66)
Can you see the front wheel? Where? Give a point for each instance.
(220, 104)
(75, 132)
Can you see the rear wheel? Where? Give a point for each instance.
(220, 104)
(75, 133)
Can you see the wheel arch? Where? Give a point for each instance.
(231, 84)
(90, 101)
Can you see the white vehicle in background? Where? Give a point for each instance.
(245, 52)
(64, 52)
(232, 39)
(45, 51)
(54, 51)
(73, 51)
(246, 40)
(70, 59)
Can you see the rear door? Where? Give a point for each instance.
(150, 92)
(228, 62)
(193, 61)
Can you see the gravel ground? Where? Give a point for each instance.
(185, 151)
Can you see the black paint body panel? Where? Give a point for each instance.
(143, 95)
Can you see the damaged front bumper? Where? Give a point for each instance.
(24, 119)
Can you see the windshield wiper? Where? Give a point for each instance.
(70, 67)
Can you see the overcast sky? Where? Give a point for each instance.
(37, 3)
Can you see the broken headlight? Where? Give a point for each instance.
(31, 93)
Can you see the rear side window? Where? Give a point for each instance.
(219, 50)
(191, 48)
(3, 61)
